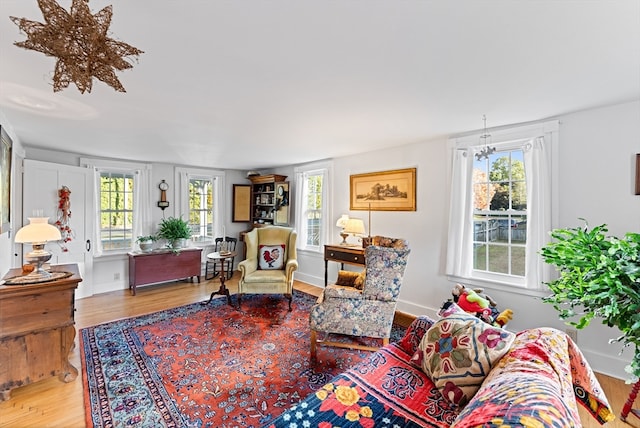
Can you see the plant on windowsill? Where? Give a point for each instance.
(146, 242)
(599, 277)
(175, 231)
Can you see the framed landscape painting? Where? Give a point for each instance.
(393, 190)
(5, 180)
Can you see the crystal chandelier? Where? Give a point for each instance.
(486, 150)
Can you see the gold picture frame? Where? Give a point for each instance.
(393, 190)
(5, 180)
(241, 203)
(638, 174)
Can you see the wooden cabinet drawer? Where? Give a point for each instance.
(343, 256)
(36, 311)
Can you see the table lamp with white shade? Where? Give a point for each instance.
(341, 223)
(354, 226)
(38, 232)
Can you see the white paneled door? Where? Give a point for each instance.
(42, 181)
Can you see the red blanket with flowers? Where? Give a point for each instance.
(385, 388)
(537, 383)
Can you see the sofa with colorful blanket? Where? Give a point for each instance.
(459, 372)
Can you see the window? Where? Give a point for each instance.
(200, 200)
(116, 210)
(201, 209)
(312, 209)
(500, 213)
(501, 207)
(122, 204)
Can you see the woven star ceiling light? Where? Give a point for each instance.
(79, 40)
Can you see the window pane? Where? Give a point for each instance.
(116, 210)
(201, 208)
(500, 204)
(313, 209)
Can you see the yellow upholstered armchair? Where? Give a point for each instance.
(270, 263)
(367, 310)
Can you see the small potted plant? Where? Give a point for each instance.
(175, 231)
(146, 242)
(599, 278)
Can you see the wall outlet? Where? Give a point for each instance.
(116, 276)
(573, 334)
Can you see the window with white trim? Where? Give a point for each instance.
(116, 210)
(122, 204)
(201, 208)
(200, 201)
(501, 206)
(312, 208)
(500, 213)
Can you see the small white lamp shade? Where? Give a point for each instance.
(354, 226)
(342, 221)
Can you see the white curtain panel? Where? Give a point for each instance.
(142, 203)
(537, 167)
(460, 248)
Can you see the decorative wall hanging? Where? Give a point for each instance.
(79, 40)
(384, 191)
(163, 203)
(64, 217)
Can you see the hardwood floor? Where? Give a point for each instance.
(51, 403)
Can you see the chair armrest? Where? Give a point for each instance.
(248, 266)
(290, 267)
(342, 292)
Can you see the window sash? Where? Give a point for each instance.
(312, 212)
(201, 218)
(539, 142)
(116, 210)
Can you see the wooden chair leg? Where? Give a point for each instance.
(313, 343)
(629, 404)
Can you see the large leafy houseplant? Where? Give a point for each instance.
(599, 277)
(174, 229)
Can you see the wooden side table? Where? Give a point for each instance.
(342, 254)
(37, 330)
(222, 258)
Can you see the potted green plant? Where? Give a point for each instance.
(599, 277)
(175, 231)
(146, 242)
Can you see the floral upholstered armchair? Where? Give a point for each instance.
(365, 312)
(270, 263)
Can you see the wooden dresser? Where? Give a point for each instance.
(163, 265)
(37, 330)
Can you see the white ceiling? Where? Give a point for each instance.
(257, 84)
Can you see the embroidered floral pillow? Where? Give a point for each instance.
(458, 352)
(271, 257)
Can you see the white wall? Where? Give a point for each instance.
(596, 181)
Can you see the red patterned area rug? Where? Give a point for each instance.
(206, 366)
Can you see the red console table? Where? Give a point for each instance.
(162, 266)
